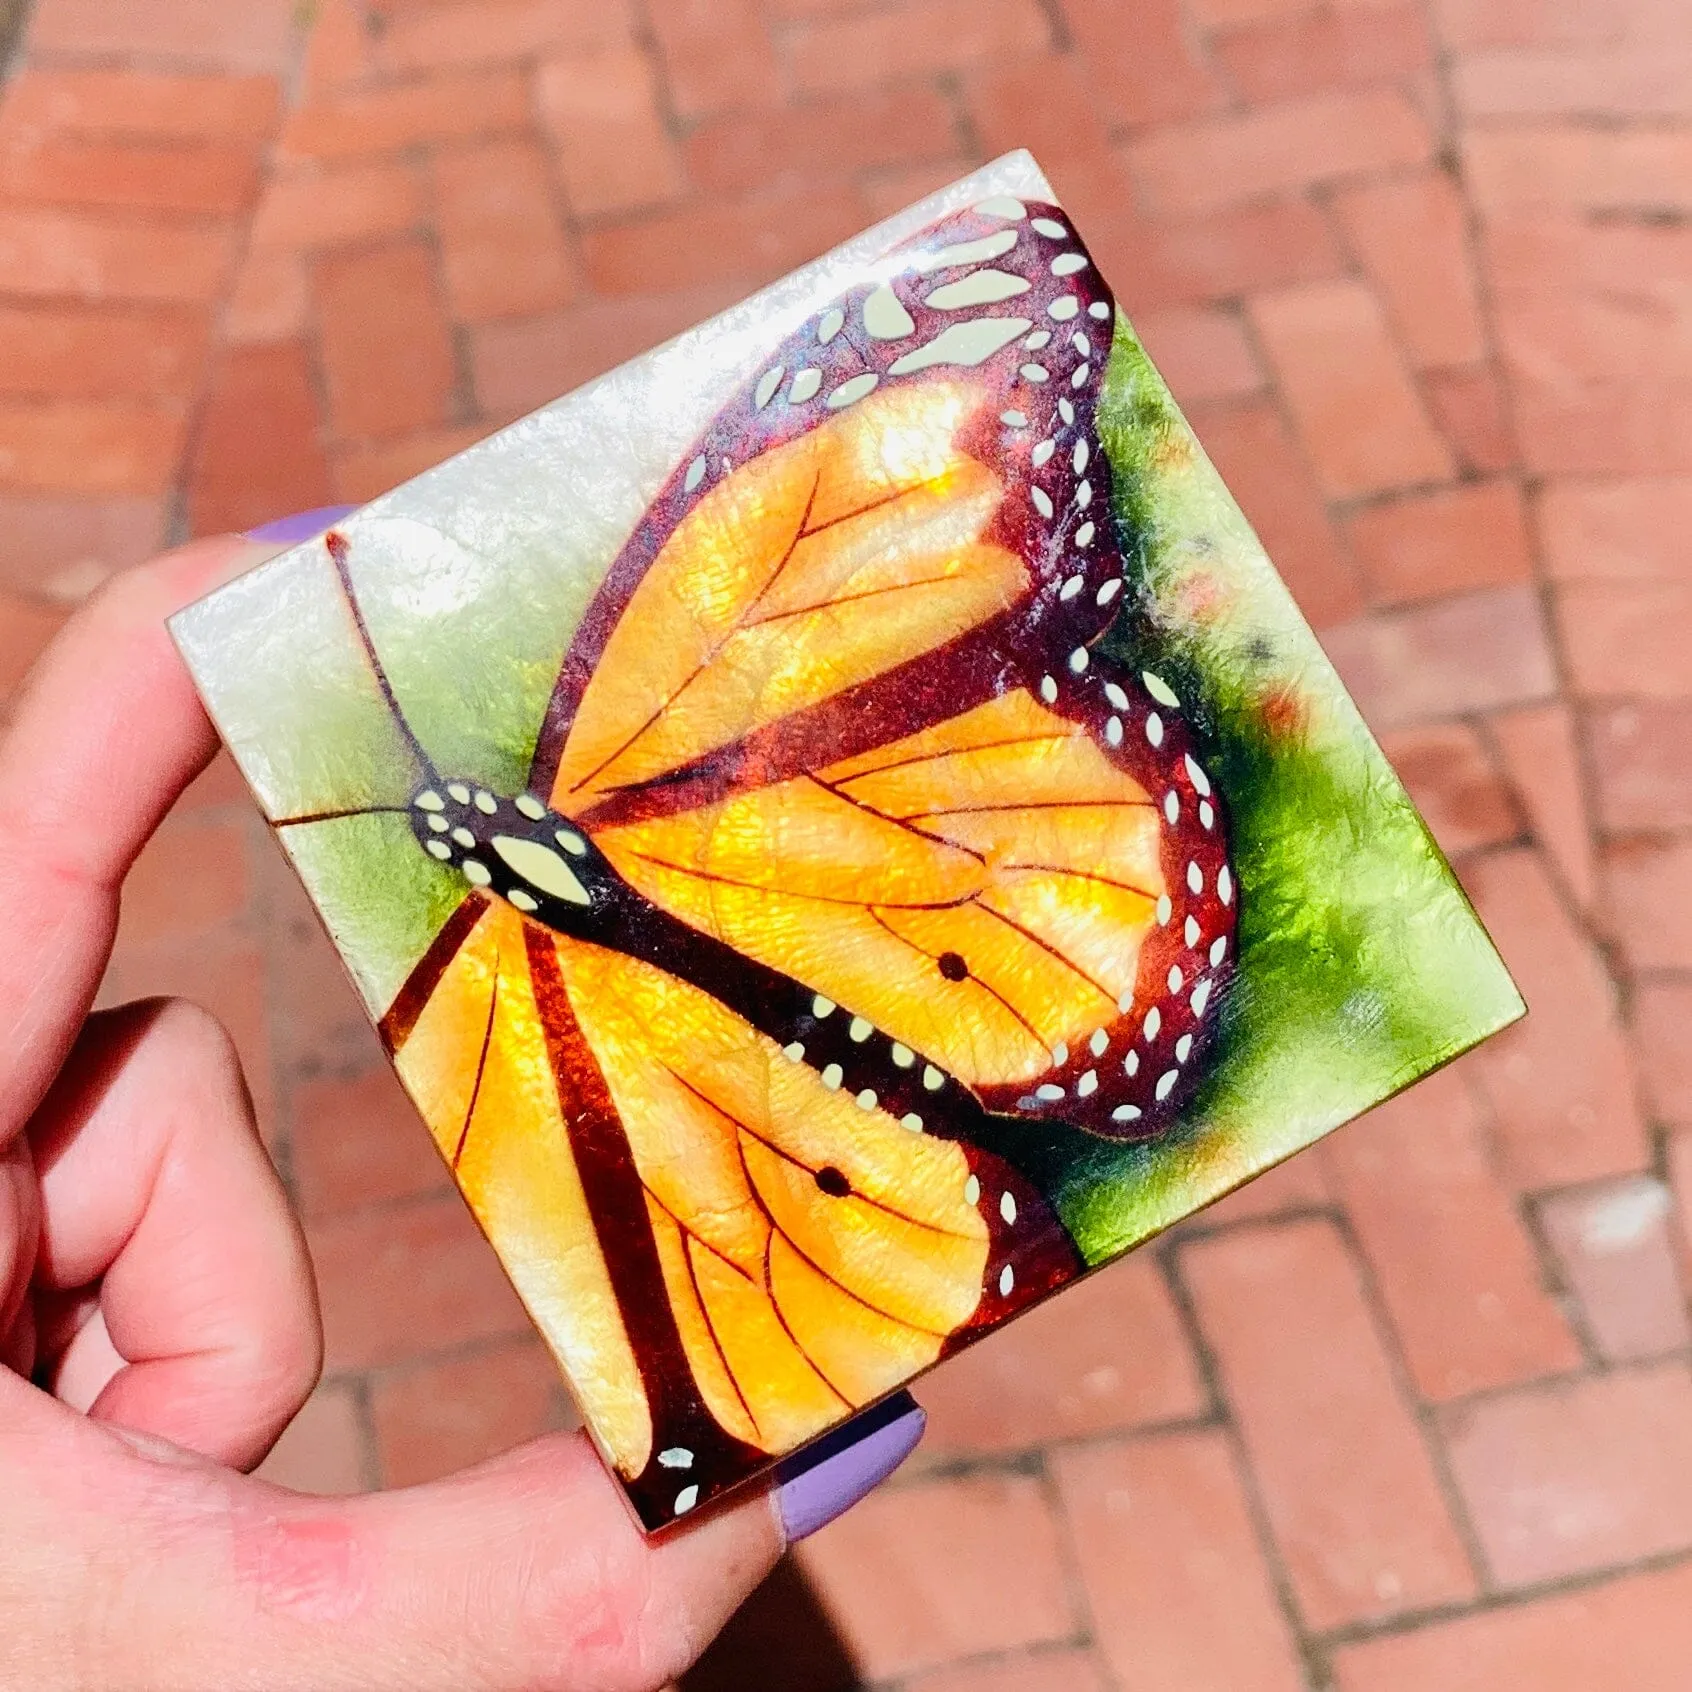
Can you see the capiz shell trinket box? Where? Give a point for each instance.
(841, 831)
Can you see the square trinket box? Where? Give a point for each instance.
(841, 831)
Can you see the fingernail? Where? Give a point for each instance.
(303, 525)
(828, 1478)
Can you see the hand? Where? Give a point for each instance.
(155, 1284)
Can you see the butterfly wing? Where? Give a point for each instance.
(728, 1256)
(837, 719)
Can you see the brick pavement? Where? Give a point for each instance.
(1413, 1413)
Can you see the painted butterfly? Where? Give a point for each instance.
(842, 858)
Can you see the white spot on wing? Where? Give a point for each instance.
(805, 385)
(767, 385)
(1003, 205)
(967, 252)
(885, 316)
(969, 343)
(982, 287)
(854, 388)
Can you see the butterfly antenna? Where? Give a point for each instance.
(340, 551)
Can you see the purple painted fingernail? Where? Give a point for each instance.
(303, 525)
(828, 1478)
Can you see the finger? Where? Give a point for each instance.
(157, 1194)
(526, 1573)
(106, 733)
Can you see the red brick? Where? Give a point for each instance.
(269, 299)
(1163, 78)
(1648, 893)
(1201, 352)
(1568, 337)
(917, 1576)
(1562, 1481)
(1226, 14)
(1621, 1260)
(920, 38)
(387, 350)
(1619, 530)
(359, 1142)
(1576, 167)
(1456, 788)
(717, 54)
(822, 139)
(257, 453)
(1433, 544)
(26, 626)
(188, 881)
(1049, 1671)
(390, 119)
(1470, 409)
(65, 545)
(1648, 257)
(457, 35)
(407, 1280)
(1175, 1580)
(519, 366)
(374, 467)
(88, 446)
(1622, 427)
(73, 352)
(1283, 1310)
(1642, 765)
(216, 787)
(81, 256)
(1300, 1183)
(601, 109)
(1639, 80)
(1543, 762)
(323, 1450)
(1044, 104)
(502, 243)
(1242, 250)
(1266, 474)
(1347, 47)
(1528, 23)
(141, 104)
(1474, 652)
(1455, 1269)
(743, 241)
(1635, 1632)
(1109, 1354)
(1356, 407)
(1222, 161)
(1410, 235)
(207, 180)
(218, 970)
(308, 208)
(1662, 1028)
(255, 36)
(1626, 638)
(1558, 1081)
(434, 1420)
(339, 51)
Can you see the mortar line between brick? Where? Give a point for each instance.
(1510, 1598)
(1527, 486)
(1311, 1659)
(1427, 1424)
